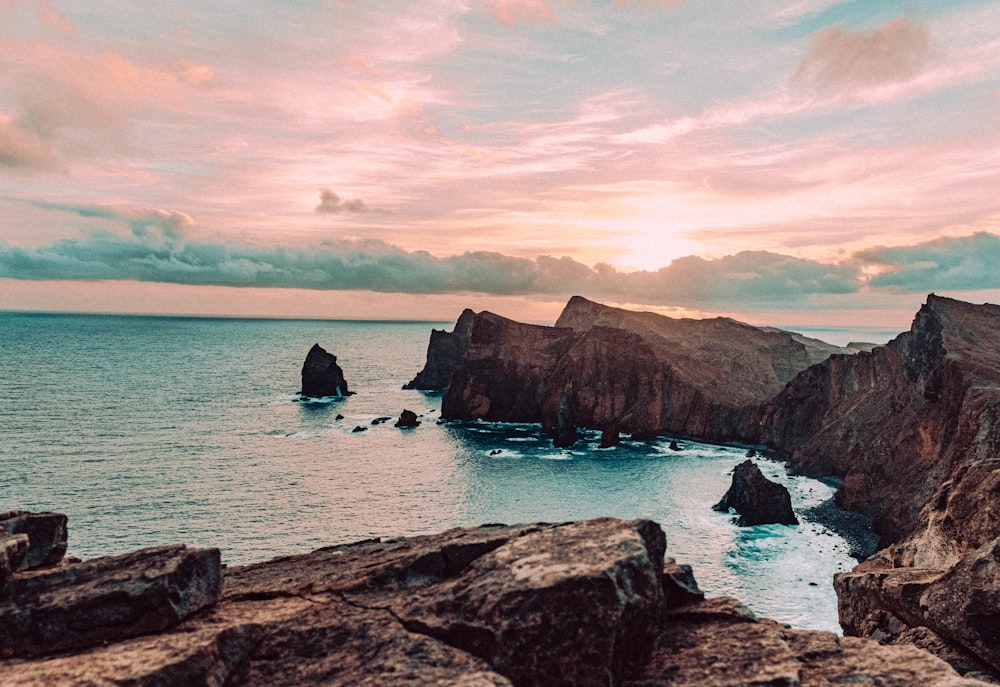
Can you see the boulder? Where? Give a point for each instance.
(960, 605)
(756, 499)
(46, 536)
(321, 376)
(13, 551)
(407, 418)
(105, 599)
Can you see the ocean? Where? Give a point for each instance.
(159, 430)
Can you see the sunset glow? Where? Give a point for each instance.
(776, 161)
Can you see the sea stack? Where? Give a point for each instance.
(321, 376)
(756, 499)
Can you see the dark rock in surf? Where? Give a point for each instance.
(321, 376)
(610, 436)
(756, 499)
(564, 429)
(359, 428)
(407, 419)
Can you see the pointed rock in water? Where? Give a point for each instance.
(564, 431)
(407, 419)
(756, 499)
(321, 376)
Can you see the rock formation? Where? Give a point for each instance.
(321, 376)
(45, 534)
(445, 354)
(585, 603)
(756, 499)
(603, 367)
(913, 428)
(407, 418)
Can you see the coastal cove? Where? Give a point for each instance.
(167, 430)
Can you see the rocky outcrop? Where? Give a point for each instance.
(407, 418)
(321, 375)
(641, 373)
(445, 354)
(45, 532)
(913, 428)
(586, 603)
(106, 599)
(756, 499)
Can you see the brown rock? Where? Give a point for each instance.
(572, 604)
(407, 419)
(445, 355)
(756, 499)
(105, 599)
(642, 372)
(960, 606)
(46, 536)
(13, 551)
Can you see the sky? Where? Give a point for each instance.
(782, 162)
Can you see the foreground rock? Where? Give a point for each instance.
(106, 599)
(321, 376)
(585, 603)
(605, 368)
(756, 499)
(46, 534)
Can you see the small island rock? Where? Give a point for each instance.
(407, 419)
(321, 376)
(756, 499)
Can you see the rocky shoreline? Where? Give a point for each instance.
(911, 430)
(577, 604)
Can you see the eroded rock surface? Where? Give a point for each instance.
(105, 599)
(445, 354)
(585, 603)
(640, 373)
(46, 534)
(756, 499)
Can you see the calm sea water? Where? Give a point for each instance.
(148, 430)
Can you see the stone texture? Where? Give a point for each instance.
(960, 605)
(642, 373)
(13, 551)
(46, 536)
(445, 355)
(105, 599)
(584, 603)
(756, 499)
(321, 375)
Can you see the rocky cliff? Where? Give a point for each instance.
(913, 428)
(640, 373)
(576, 604)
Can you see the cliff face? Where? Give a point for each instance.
(911, 427)
(445, 354)
(642, 373)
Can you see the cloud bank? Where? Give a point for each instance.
(155, 249)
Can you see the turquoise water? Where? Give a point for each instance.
(148, 430)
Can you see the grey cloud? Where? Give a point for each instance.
(330, 202)
(894, 51)
(143, 222)
(745, 278)
(961, 264)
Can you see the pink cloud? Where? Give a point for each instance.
(895, 51)
(19, 148)
(509, 12)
